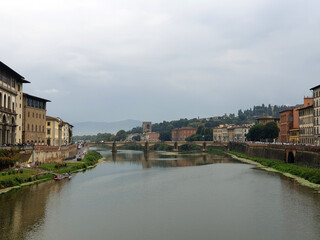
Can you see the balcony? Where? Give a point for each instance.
(7, 110)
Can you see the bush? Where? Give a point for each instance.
(92, 157)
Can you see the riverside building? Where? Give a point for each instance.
(316, 114)
(306, 127)
(34, 120)
(180, 134)
(11, 85)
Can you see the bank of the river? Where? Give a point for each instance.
(30, 177)
(309, 177)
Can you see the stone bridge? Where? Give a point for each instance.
(174, 144)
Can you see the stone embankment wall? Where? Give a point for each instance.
(302, 155)
(46, 154)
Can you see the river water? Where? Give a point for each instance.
(133, 196)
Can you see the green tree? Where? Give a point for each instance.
(165, 136)
(121, 135)
(271, 130)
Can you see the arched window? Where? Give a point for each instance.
(32, 127)
(5, 101)
(28, 127)
(36, 128)
(9, 102)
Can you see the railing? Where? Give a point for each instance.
(7, 110)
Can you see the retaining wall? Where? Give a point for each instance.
(302, 155)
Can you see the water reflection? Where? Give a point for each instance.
(24, 209)
(164, 159)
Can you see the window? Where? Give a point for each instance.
(48, 124)
(48, 131)
(28, 127)
(33, 115)
(28, 114)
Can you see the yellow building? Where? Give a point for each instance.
(34, 120)
(58, 132)
(294, 135)
(54, 131)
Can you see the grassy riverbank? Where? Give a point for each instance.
(310, 174)
(13, 178)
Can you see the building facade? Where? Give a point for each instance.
(220, 133)
(316, 114)
(180, 134)
(226, 133)
(34, 120)
(11, 85)
(54, 131)
(306, 128)
(67, 133)
(286, 124)
(150, 137)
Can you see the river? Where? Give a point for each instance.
(134, 196)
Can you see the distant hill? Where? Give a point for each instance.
(93, 128)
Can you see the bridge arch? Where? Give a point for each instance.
(290, 157)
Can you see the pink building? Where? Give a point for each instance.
(180, 134)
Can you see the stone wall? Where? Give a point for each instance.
(45, 154)
(301, 155)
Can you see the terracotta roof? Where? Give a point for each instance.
(38, 98)
(304, 107)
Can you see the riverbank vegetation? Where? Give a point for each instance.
(310, 174)
(217, 151)
(15, 177)
(8, 158)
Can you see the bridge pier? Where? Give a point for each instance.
(204, 147)
(175, 146)
(114, 147)
(146, 147)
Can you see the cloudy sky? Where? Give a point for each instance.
(103, 60)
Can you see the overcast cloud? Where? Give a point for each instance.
(155, 60)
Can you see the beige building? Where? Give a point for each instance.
(306, 128)
(66, 133)
(34, 120)
(226, 133)
(316, 114)
(220, 134)
(11, 85)
(240, 132)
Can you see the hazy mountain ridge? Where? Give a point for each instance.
(92, 128)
